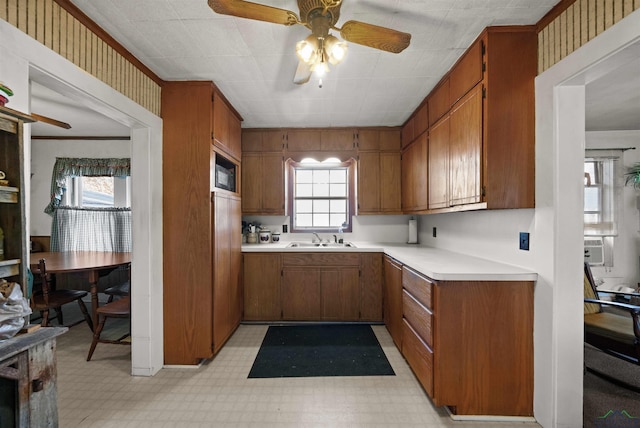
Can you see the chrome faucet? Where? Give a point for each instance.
(317, 236)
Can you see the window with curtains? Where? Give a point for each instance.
(602, 198)
(90, 205)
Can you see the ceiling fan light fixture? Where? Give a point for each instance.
(307, 49)
(335, 48)
(320, 68)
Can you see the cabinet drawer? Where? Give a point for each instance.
(321, 259)
(418, 286)
(419, 356)
(419, 317)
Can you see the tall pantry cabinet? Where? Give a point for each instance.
(201, 234)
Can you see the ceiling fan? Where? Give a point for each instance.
(320, 16)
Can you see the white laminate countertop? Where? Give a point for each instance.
(434, 263)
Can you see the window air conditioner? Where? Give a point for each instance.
(594, 251)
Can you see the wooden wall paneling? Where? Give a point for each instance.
(48, 24)
(31, 18)
(563, 35)
(21, 20)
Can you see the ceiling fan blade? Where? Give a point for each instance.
(249, 10)
(374, 36)
(51, 121)
(303, 73)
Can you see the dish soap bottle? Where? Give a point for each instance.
(1, 244)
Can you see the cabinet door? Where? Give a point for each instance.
(262, 287)
(389, 140)
(272, 184)
(235, 136)
(368, 140)
(438, 102)
(221, 123)
(393, 299)
(390, 178)
(371, 287)
(407, 133)
(467, 73)
(301, 294)
(465, 147)
(421, 120)
(272, 141)
(337, 139)
(302, 140)
(252, 183)
(414, 176)
(235, 263)
(368, 182)
(439, 164)
(221, 271)
(340, 294)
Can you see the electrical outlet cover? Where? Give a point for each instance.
(524, 241)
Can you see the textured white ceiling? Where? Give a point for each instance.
(253, 63)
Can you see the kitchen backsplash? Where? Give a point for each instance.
(387, 228)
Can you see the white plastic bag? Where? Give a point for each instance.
(13, 310)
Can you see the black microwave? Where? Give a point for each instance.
(225, 178)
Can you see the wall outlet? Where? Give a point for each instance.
(434, 232)
(524, 241)
(285, 228)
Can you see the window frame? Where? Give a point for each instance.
(291, 167)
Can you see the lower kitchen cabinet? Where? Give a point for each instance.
(339, 297)
(393, 299)
(301, 294)
(312, 286)
(468, 349)
(371, 287)
(261, 276)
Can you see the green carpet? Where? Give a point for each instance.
(320, 350)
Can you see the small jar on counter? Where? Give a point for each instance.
(275, 237)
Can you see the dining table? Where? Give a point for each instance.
(89, 262)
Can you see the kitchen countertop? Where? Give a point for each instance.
(435, 263)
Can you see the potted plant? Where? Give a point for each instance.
(632, 176)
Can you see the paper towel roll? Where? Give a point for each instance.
(413, 232)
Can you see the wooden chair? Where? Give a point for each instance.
(616, 333)
(49, 298)
(121, 289)
(120, 308)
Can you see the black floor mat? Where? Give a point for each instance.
(320, 350)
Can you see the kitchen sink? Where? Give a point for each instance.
(320, 245)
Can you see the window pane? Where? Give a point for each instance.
(304, 190)
(338, 219)
(321, 220)
(321, 190)
(304, 220)
(97, 191)
(321, 176)
(321, 206)
(338, 175)
(592, 199)
(304, 206)
(338, 206)
(304, 176)
(338, 190)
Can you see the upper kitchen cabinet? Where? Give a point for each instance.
(193, 227)
(415, 175)
(379, 175)
(263, 172)
(226, 125)
(15, 255)
(481, 117)
(320, 143)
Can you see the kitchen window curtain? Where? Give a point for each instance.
(88, 229)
